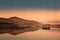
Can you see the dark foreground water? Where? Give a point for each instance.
(53, 34)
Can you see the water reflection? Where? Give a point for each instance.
(35, 35)
(20, 31)
(15, 31)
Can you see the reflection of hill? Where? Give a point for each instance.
(15, 32)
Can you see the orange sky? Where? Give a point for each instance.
(38, 15)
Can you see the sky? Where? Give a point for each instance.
(26, 4)
(38, 10)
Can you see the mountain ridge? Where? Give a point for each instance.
(19, 23)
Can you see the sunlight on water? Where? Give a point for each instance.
(36, 35)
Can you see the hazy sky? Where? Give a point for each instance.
(39, 10)
(38, 15)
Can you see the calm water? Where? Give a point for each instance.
(36, 35)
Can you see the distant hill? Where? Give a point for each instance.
(18, 23)
(55, 22)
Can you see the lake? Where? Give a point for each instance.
(53, 34)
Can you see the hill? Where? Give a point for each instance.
(18, 23)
